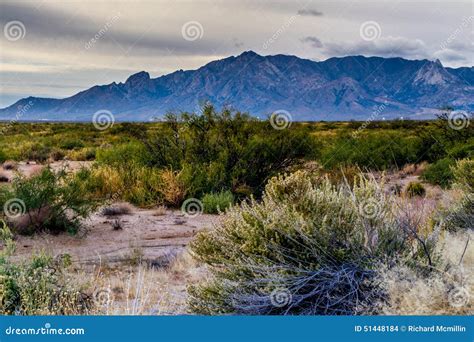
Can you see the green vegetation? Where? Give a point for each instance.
(307, 248)
(460, 214)
(217, 202)
(50, 201)
(415, 189)
(440, 172)
(38, 286)
(190, 155)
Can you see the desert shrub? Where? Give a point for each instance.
(39, 286)
(172, 189)
(463, 173)
(415, 189)
(84, 154)
(56, 154)
(460, 213)
(225, 150)
(50, 201)
(214, 203)
(439, 173)
(71, 144)
(117, 209)
(3, 156)
(119, 155)
(102, 181)
(308, 247)
(36, 152)
(139, 185)
(374, 150)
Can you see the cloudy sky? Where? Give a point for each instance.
(57, 48)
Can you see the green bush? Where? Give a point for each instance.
(226, 150)
(415, 189)
(373, 150)
(39, 286)
(3, 156)
(120, 155)
(439, 173)
(217, 202)
(36, 152)
(50, 201)
(71, 144)
(307, 248)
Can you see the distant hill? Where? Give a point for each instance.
(345, 88)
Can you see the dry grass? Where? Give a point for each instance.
(160, 211)
(447, 291)
(173, 189)
(142, 290)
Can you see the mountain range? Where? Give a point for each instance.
(339, 88)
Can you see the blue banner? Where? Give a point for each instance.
(237, 328)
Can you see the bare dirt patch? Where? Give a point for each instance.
(143, 238)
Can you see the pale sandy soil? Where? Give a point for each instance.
(154, 240)
(29, 169)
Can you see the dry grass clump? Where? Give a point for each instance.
(160, 211)
(140, 185)
(117, 209)
(173, 190)
(143, 290)
(448, 290)
(413, 169)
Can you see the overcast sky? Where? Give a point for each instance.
(57, 48)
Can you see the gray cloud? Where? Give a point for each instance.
(49, 25)
(313, 41)
(310, 12)
(384, 46)
(449, 55)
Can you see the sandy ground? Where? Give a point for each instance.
(31, 168)
(154, 240)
